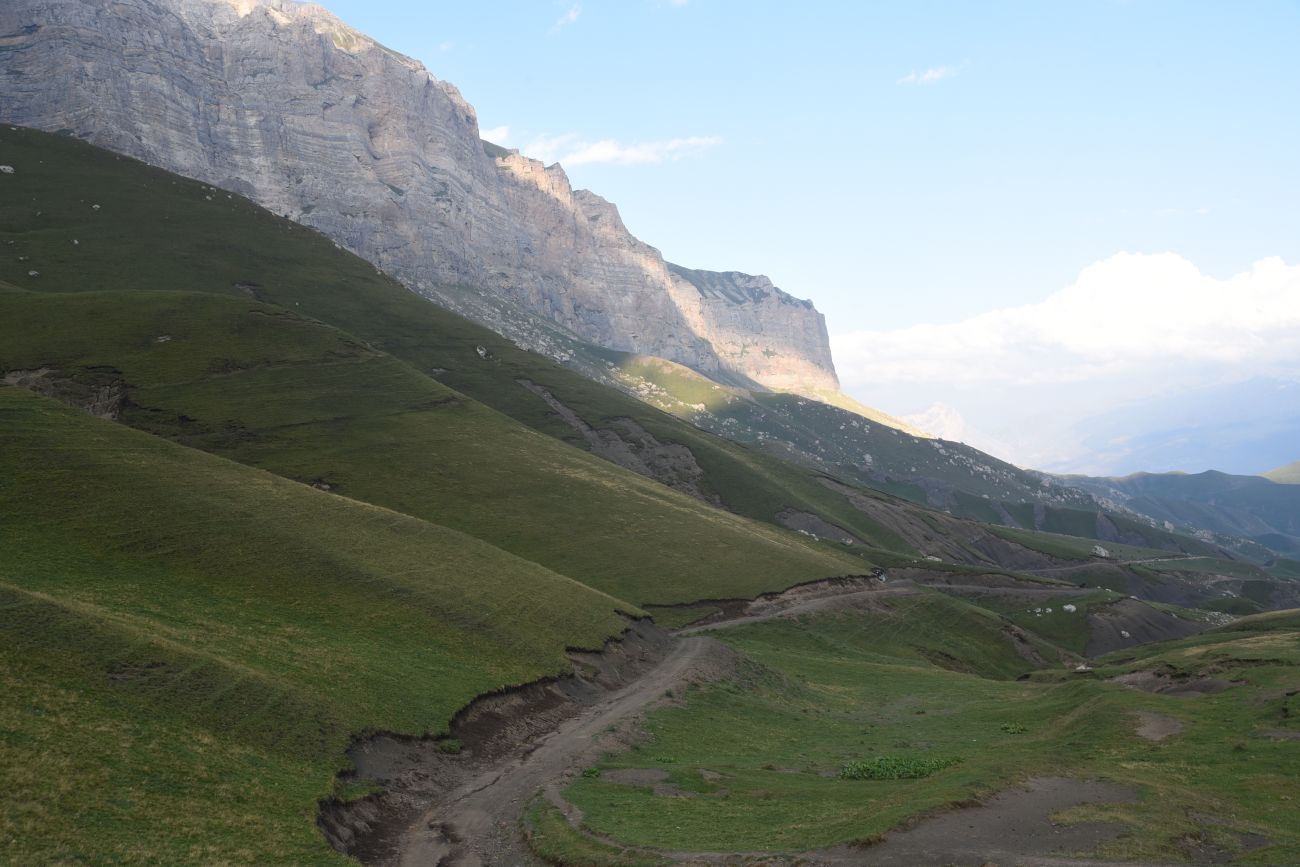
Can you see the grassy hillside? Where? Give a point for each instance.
(759, 756)
(1246, 507)
(201, 239)
(847, 439)
(156, 231)
(272, 389)
(185, 637)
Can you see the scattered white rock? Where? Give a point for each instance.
(33, 273)
(94, 207)
(482, 351)
(164, 338)
(1124, 633)
(1100, 551)
(932, 558)
(1083, 666)
(6, 170)
(1069, 607)
(75, 242)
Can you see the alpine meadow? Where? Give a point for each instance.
(370, 493)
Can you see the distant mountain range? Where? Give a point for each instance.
(284, 103)
(1242, 427)
(1251, 507)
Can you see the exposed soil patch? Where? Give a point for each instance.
(462, 808)
(1281, 735)
(952, 539)
(1129, 622)
(655, 779)
(800, 599)
(1202, 848)
(816, 526)
(98, 391)
(1174, 683)
(1157, 726)
(1009, 828)
(626, 443)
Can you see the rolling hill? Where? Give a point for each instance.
(260, 499)
(184, 636)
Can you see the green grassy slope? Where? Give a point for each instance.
(269, 388)
(832, 688)
(847, 439)
(869, 452)
(185, 637)
(156, 231)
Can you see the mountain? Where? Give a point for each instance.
(1288, 475)
(291, 554)
(282, 102)
(1211, 502)
(1239, 428)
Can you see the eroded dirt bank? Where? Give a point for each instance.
(462, 808)
(456, 800)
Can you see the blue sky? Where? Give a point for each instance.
(899, 163)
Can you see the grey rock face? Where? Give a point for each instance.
(287, 105)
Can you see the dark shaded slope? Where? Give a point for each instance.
(290, 395)
(1252, 507)
(185, 637)
(156, 231)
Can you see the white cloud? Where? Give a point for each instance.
(1130, 328)
(1121, 315)
(567, 18)
(447, 45)
(572, 150)
(929, 76)
(497, 134)
(677, 2)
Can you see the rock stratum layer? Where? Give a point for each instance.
(287, 105)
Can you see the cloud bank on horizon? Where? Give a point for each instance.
(1021, 381)
(573, 150)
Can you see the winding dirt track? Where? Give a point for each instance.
(817, 603)
(478, 823)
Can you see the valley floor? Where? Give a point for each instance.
(729, 749)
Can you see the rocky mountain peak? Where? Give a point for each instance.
(286, 104)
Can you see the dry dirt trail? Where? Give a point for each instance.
(1075, 566)
(806, 606)
(477, 824)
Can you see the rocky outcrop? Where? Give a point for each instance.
(628, 444)
(287, 105)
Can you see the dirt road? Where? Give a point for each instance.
(806, 606)
(477, 824)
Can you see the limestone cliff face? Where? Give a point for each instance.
(287, 105)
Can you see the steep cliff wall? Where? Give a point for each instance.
(284, 103)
